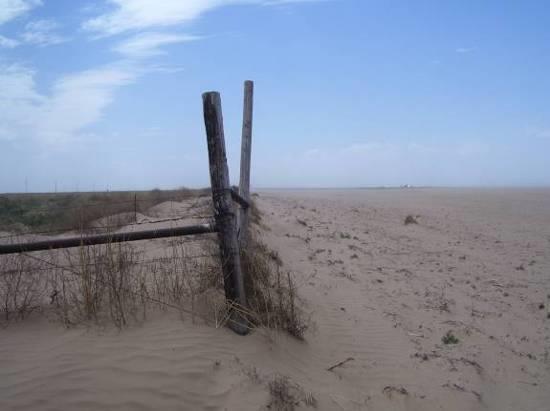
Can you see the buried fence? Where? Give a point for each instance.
(231, 227)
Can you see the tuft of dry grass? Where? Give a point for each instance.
(281, 394)
(286, 395)
(103, 284)
(271, 293)
(20, 289)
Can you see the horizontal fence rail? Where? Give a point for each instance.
(106, 238)
(236, 197)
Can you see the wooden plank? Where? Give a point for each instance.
(224, 210)
(106, 238)
(246, 149)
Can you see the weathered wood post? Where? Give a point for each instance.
(224, 210)
(135, 207)
(246, 148)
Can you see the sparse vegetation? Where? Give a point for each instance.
(281, 396)
(76, 211)
(449, 338)
(103, 284)
(271, 294)
(389, 390)
(112, 283)
(20, 289)
(286, 395)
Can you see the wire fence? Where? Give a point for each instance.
(161, 260)
(59, 215)
(154, 300)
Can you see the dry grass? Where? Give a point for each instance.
(271, 293)
(20, 289)
(102, 284)
(286, 395)
(112, 284)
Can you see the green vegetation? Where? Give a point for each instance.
(69, 211)
(449, 338)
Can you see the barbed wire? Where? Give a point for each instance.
(230, 305)
(152, 299)
(244, 314)
(159, 260)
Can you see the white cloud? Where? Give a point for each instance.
(10, 9)
(75, 102)
(148, 44)
(8, 43)
(41, 33)
(143, 14)
(464, 50)
(538, 132)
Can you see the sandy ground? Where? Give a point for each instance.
(380, 293)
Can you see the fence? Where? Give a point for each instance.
(231, 227)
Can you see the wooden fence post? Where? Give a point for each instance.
(224, 210)
(246, 148)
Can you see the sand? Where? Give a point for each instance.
(381, 294)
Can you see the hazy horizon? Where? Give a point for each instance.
(101, 94)
(310, 188)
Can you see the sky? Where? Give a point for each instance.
(106, 94)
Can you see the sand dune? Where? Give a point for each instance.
(381, 295)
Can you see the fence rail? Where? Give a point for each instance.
(231, 223)
(106, 238)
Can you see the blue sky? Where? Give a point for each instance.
(107, 94)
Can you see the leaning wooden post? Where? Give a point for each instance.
(224, 210)
(246, 147)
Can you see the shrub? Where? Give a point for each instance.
(271, 294)
(21, 290)
(449, 338)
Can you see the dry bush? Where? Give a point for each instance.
(286, 395)
(271, 294)
(21, 290)
(110, 284)
(281, 394)
(102, 283)
(178, 278)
